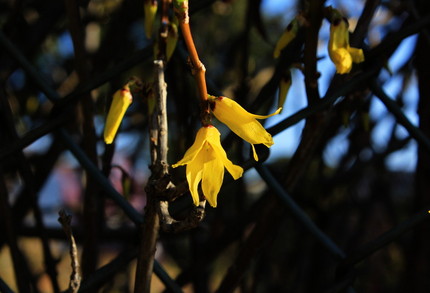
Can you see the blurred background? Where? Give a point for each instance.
(338, 204)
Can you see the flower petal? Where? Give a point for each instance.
(212, 177)
(235, 171)
(192, 152)
(241, 122)
(194, 173)
(342, 60)
(356, 54)
(254, 153)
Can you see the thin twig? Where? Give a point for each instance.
(198, 68)
(75, 277)
(314, 19)
(298, 213)
(22, 278)
(93, 205)
(363, 23)
(391, 105)
(384, 239)
(4, 287)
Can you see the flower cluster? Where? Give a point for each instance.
(341, 53)
(206, 158)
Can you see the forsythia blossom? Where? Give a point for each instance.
(241, 122)
(339, 50)
(120, 102)
(205, 161)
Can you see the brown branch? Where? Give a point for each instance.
(313, 25)
(75, 277)
(363, 23)
(198, 68)
(149, 229)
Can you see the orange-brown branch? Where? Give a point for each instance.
(199, 69)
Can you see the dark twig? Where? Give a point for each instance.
(298, 213)
(33, 135)
(108, 271)
(391, 105)
(4, 287)
(314, 19)
(363, 23)
(93, 205)
(19, 265)
(102, 181)
(75, 277)
(384, 239)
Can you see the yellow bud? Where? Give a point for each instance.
(150, 10)
(287, 36)
(284, 88)
(172, 39)
(120, 102)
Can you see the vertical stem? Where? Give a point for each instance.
(151, 224)
(314, 17)
(199, 69)
(92, 203)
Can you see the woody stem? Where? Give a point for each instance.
(198, 67)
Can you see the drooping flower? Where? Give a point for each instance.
(339, 49)
(241, 122)
(120, 102)
(205, 161)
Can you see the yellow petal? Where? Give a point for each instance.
(120, 102)
(194, 173)
(213, 175)
(356, 54)
(241, 122)
(342, 60)
(192, 152)
(235, 171)
(254, 153)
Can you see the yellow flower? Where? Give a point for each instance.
(339, 50)
(205, 161)
(120, 102)
(241, 122)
